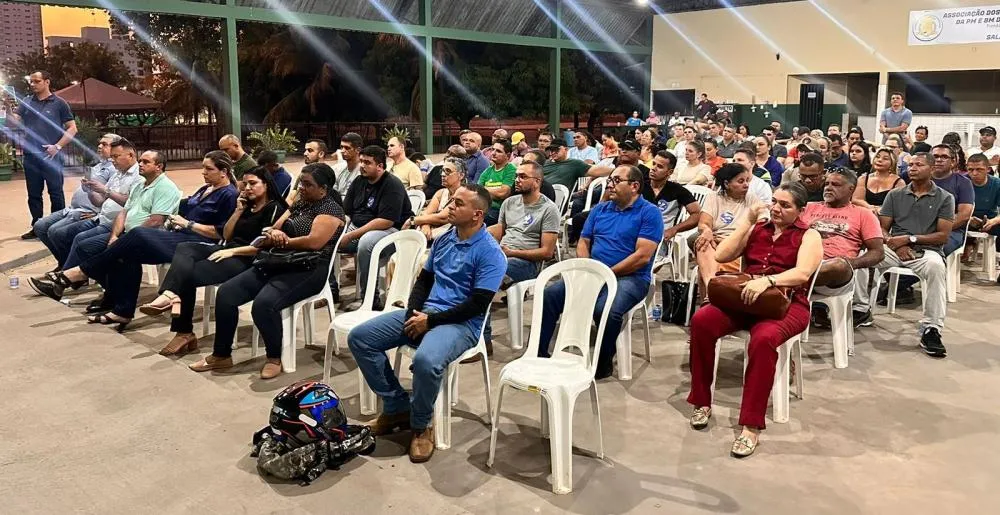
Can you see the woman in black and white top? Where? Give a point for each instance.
(313, 223)
(198, 264)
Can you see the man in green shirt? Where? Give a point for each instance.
(498, 179)
(242, 162)
(559, 169)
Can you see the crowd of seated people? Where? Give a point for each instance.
(818, 207)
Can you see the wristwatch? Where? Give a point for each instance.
(190, 224)
(58, 146)
(913, 240)
(772, 280)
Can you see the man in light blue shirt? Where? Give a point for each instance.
(58, 229)
(442, 320)
(582, 150)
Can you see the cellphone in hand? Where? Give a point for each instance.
(258, 242)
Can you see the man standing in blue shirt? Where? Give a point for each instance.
(443, 319)
(48, 127)
(622, 233)
(58, 229)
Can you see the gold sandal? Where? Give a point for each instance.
(700, 416)
(154, 309)
(743, 446)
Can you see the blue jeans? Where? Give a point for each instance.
(438, 348)
(631, 289)
(41, 172)
(521, 269)
(57, 231)
(362, 248)
(86, 245)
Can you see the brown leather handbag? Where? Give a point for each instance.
(724, 292)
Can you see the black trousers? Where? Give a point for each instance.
(119, 268)
(191, 269)
(269, 295)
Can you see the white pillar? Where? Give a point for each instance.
(883, 94)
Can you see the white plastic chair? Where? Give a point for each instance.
(953, 263)
(562, 198)
(587, 204)
(516, 293)
(624, 340)
(417, 199)
(680, 253)
(562, 204)
(989, 252)
(154, 274)
(448, 393)
(410, 244)
(779, 389)
(559, 380)
(841, 321)
(290, 316)
(894, 273)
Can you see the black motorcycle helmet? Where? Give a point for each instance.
(308, 411)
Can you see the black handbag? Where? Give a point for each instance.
(282, 261)
(675, 297)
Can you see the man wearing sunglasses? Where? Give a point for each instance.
(48, 126)
(622, 234)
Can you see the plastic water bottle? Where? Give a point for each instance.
(656, 313)
(14, 282)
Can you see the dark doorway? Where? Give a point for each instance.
(666, 101)
(811, 105)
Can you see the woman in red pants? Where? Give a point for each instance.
(784, 252)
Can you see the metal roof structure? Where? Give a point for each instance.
(617, 26)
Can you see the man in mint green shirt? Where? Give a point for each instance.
(151, 200)
(498, 179)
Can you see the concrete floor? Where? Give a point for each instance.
(98, 422)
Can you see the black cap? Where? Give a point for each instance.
(630, 145)
(988, 130)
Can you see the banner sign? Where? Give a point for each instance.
(955, 26)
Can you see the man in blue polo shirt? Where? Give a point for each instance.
(622, 233)
(443, 319)
(48, 127)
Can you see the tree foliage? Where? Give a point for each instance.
(67, 63)
(187, 53)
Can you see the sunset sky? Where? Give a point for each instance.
(66, 21)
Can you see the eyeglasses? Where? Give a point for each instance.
(614, 181)
(524, 177)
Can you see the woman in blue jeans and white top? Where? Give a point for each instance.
(313, 223)
(199, 264)
(119, 267)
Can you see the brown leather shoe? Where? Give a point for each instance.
(388, 424)
(271, 369)
(211, 362)
(180, 345)
(422, 445)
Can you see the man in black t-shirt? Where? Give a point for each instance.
(378, 206)
(670, 197)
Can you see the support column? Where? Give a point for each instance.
(647, 93)
(427, 82)
(555, 90)
(231, 75)
(883, 94)
(555, 74)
